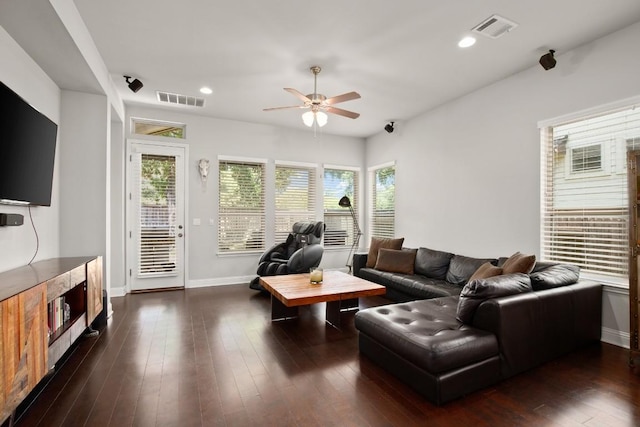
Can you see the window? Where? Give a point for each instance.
(382, 203)
(158, 128)
(586, 159)
(157, 214)
(241, 221)
(340, 227)
(585, 215)
(295, 197)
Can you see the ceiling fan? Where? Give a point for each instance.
(318, 104)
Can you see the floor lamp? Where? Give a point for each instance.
(346, 203)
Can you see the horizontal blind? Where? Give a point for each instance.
(585, 214)
(295, 198)
(382, 208)
(241, 219)
(340, 227)
(157, 215)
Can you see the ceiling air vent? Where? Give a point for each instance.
(174, 98)
(494, 27)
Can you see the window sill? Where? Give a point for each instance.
(611, 283)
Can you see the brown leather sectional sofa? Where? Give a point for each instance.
(517, 321)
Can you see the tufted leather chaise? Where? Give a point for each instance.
(423, 344)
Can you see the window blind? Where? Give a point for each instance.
(585, 214)
(382, 201)
(295, 197)
(340, 227)
(156, 214)
(241, 206)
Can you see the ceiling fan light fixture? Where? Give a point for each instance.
(319, 117)
(318, 105)
(307, 118)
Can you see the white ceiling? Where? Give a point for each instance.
(402, 57)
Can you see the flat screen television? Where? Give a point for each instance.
(27, 152)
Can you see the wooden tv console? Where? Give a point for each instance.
(28, 348)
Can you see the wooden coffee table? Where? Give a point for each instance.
(339, 290)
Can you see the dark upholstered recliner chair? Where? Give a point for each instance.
(301, 251)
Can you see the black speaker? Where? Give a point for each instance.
(547, 60)
(11, 219)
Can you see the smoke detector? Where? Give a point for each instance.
(494, 27)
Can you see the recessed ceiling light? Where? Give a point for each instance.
(206, 90)
(467, 41)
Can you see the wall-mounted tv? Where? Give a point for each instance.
(27, 152)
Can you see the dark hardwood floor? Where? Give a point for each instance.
(212, 357)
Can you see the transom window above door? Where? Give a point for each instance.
(158, 128)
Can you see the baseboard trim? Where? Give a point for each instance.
(222, 281)
(618, 338)
(117, 292)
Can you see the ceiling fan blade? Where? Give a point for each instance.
(341, 112)
(283, 108)
(298, 94)
(342, 98)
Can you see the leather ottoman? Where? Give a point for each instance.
(423, 343)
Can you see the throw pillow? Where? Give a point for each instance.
(396, 261)
(485, 271)
(519, 263)
(375, 246)
(479, 290)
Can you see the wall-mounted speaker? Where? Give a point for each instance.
(11, 219)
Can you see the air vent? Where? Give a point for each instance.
(174, 98)
(494, 27)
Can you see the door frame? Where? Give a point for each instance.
(130, 251)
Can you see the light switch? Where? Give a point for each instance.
(196, 221)
(212, 221)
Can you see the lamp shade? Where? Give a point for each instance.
(321, 118)
(307, 118)
(344, 202)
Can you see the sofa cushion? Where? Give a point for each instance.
(377, 243)
(431, 263)
(427, 334)
(396, 261)
(555, 276)
(519, 263)
(409, 287)
(485, 271)
(477, 291)
(461, 268)
(542, 265)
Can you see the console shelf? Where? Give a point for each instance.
(28, 346)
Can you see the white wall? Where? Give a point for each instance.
(468, 172)
(83, 165)
(208, 138)
(18, 244)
